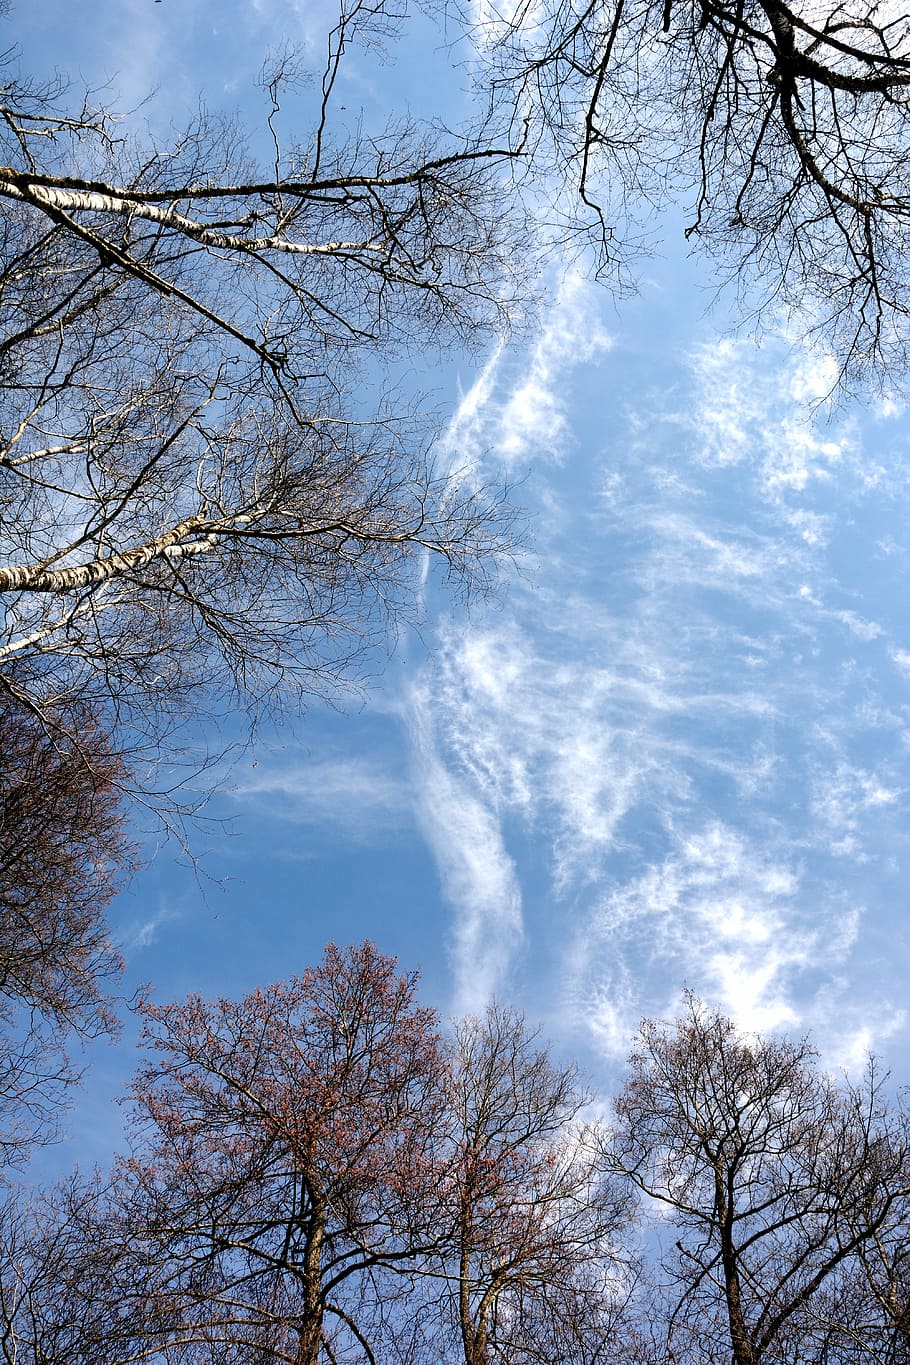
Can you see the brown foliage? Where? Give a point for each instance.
(63, 855)
(318, 1176)
(283, 1143)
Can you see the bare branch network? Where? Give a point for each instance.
(784, 131)
(63, 855)
(213, 497)
(199, 500)
(320, 1174)
(200, 509)
(197, 504)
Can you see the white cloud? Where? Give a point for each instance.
(717, 913)
(795, 454)
(671, 710)
(553, 740)
(533, 420)
(464, 443)
(813, 377)
(525, 418)
(478, 876)
(862, 629)
(843, 800)
(812, 527)
(351, 798)
(766, 417)
(850, 1048)
(727, 402)
(143, 933)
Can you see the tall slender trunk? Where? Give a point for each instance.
(743, 1350)
(310, 1341)
(172, 544)
(473, 1334)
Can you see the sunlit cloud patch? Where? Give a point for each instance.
(696, 708)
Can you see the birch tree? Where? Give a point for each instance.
(210, 496)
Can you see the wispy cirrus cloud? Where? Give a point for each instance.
(687, 713)
(516, 409)
(357, 799)
(504, 418)
(478, 876)
(845, 798)
(143, 933)
(716, 912)
(533, 420)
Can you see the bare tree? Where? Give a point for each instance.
(783, 132)
(317, 1176)
(200, 505)
(863, 1312)
(58, 1285)
(281, 1145)
(63, 854)
(885, 1260)
(778, 1184)
(534, 1264)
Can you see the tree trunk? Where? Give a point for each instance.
(310, 1342)
(743, 1350)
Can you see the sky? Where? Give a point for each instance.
(673, 751)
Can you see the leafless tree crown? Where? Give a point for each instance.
(200, 502)
(789, 1195)
(319, 1176)
(784, 129)
(63, 855)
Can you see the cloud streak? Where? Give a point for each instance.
(356, 799)
(477, 874)
(690, 712)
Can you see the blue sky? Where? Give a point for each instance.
(674, 751)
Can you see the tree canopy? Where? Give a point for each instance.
(209, 495)
(214, 498)
(320, 1172)
(781, 132)
(64, 853)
